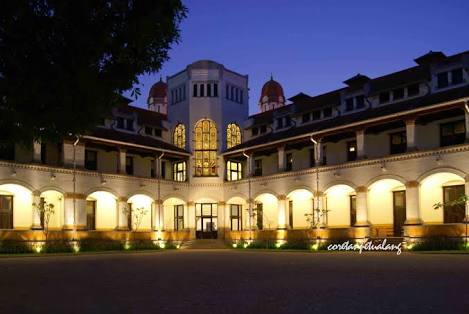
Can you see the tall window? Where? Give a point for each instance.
(233, 135)
(91, 215)
(179, 136)
(290, 214)
(179, 171)
(351, 150)
(205, 148)
(91, 159)
(353, 209)
(257, 167)
(178, 217)
(235, 216)
(233, 170)
(259, 216)
(289, 162)
(129, 165)
(6, 212)
(453, 213)
(398, 142)
(452, 133)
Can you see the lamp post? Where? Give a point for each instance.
(248, 158)
(75, 181)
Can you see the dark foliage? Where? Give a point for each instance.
(63, 64)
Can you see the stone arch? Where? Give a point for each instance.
(299, 203)
(144, 202)
(269, 203)
(18, 182)
(106, 209)
(453, 170)
(340, 182)
(338, 202)
(432, 190)
(102, 189)
(141, 192)
(384, 177)
(380, 200)
(57, 199)
(300, 187)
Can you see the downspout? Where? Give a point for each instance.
(74, 182)
(159, 194)
(249, 193)
(316, 164)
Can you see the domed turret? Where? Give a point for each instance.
(157, 97)
(271, 96)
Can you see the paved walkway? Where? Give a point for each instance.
(233, 281)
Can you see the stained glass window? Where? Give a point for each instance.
(205, 148)
(233, 135)
(179, 137)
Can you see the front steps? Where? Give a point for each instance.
(205, 244)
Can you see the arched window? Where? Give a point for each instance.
(205, 148)
(179, 136)
(233, 135)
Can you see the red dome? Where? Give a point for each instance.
(273, 90)
(158, 90)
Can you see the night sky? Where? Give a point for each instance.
(312, 46)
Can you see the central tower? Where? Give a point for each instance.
(207, 105)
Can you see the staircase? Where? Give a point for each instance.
(206, 244)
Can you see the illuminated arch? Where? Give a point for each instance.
(205, 148)
(233, 135)
(179, 136)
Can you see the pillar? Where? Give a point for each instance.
(37, 152)
(282, 212)
(121, 154)
(410, 134)
(412, 203)
(466, 219)
(191, 218)
(36, 213)
(362, 211)
(466, 115)
(221, 221)
(281, 158)
(123, 213)
(68, 153)
(360, 139)
(74, 211)
(159, 211)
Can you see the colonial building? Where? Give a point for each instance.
(369, 159)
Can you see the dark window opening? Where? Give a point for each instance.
(254, 131)
(215, 90)
(43, 153)
(90, 215)
(306, 117)
(209, 90)
(263, 129)
(360, 101)
(413, 90)
(384, 97)
(153, 168)
(130, 124)
(91, 159)
(324, 155)
(353, 210)
(163, 170)
(257, 167)
(148, 130)
(349, 104)
(289, 162)
(120, 123)
(398, 143)
(158, 132)
(194, 90)
(327, 112)
(290, 214)
(351, 151)
(178, 217)
(259, 216)
(316, 115)
(6, 212)
(452, 133)
(442, 80)
(129, 165)
(398, 94)
(457, 76)
(202, 90)
(236, 217)
(312, 157)
(279, 123)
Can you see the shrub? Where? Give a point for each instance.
(15, 247)
(92, 245)
(439, 243)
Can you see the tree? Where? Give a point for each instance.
(136, 215)
(463, 200)
(45, 211)
(64, 64)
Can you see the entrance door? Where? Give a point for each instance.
(398, 212)
(453, 213)
(206, 221)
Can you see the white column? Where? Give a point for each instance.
(75, 207)
(360, 138)
(410, 134)
(282, 212)
(191, 218)
(362, 211)
(67, 154)
(122, 213)
(412, 203)
(37, 151)
(281, 158)
(121, 154)
(467, 193)
(36, 214)
(221, 221)
(466, 114)
(160, 215)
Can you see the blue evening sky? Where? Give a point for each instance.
(312, 46)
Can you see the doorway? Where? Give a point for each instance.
(399, 212)
(206, 221)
